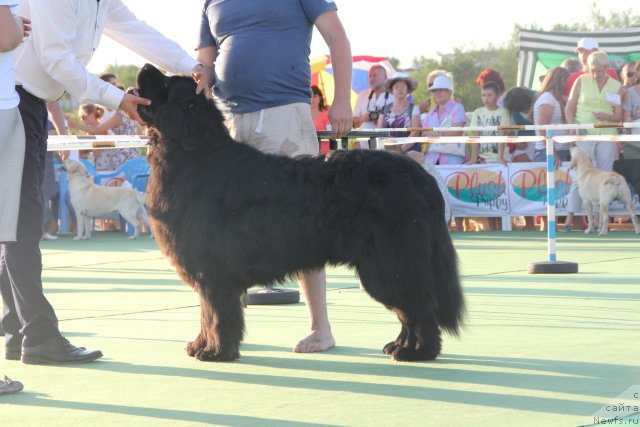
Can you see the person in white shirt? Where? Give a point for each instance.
(371, 102)
(51, 62)
(11, 129)
(12, 30)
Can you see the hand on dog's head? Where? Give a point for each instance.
(179, 114)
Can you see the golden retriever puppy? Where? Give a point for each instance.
(599, 187)
(89, 199)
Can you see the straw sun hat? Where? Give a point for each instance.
(411, 83)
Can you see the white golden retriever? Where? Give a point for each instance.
(89, 199)
(599, 187)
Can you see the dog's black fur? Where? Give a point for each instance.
(229, 217)
(630, 169)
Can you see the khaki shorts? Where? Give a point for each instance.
(11, 162)
(284, 130)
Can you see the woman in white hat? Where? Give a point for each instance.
(445, 113)
(402, 113)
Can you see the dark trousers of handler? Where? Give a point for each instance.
(28, 318)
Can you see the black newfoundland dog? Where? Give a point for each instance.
(230, 217)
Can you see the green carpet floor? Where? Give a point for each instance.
(536, 350)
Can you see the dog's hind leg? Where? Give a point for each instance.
(221, 323)
(406, 294)
(420, 336)
(634, 219)
(628, 204)
(604, 218)
(143, 217)
(133, 220)
(588, 208)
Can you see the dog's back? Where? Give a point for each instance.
(598, 186)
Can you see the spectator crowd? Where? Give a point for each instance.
(585, 89)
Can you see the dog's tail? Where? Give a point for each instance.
(451, 305)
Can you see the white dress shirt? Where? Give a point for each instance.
(8, 95)
(65, 36)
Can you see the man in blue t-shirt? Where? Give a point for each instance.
(258, 54)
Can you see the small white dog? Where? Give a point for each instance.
(89, 199)
(599, 187)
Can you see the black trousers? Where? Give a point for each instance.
(27, 318)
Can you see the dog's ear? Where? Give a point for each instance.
(187, 118)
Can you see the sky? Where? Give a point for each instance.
(404, 29)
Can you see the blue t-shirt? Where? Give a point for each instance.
(263, 50)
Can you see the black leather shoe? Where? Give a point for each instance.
(15, 352)
(58, 351)
(12, 353)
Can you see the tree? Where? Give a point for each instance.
(126, 74)
(395, 62)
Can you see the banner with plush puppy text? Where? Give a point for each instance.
(528, 188)
(495, 189)
(477, 190)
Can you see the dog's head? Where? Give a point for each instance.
(74, 168)
(179, 114)
(579, 157)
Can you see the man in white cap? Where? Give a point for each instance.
(586, 46)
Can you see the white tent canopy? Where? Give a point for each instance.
(543, 50)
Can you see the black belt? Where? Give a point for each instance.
(23, 91)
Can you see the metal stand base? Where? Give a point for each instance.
(552, 267)
(271, 295)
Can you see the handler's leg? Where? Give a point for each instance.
(314, 287)
(289, 130)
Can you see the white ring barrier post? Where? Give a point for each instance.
(553, 266)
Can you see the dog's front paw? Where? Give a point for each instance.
(212, 355)
(201, 351)
(403, 354)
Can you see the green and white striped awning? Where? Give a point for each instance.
(542, 50)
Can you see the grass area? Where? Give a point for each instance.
(536, 349)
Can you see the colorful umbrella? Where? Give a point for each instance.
(322, 74)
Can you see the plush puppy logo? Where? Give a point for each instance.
(478, 186)
(531, 184)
